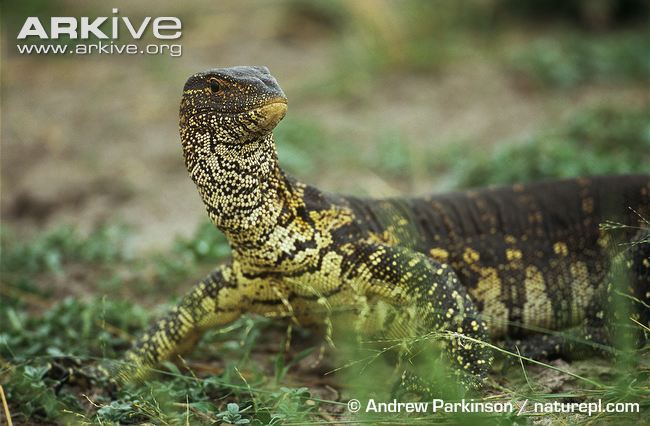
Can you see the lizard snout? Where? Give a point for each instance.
(271, 114)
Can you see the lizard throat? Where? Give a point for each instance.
(242, 186)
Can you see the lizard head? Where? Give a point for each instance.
(226, 119)
(231, 105)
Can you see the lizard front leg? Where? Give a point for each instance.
(436, 300)
(214, 302)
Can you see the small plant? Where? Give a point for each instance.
(290, 402)
(116, 411)
(233, 415)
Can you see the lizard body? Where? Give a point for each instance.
(484, 263)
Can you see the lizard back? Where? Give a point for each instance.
(532, 256)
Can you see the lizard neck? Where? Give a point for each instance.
(246, 193)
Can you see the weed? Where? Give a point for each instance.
(233, 415)
(392, 157)
(573, 60)
(598, 141)
(50, 251)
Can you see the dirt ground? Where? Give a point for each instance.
(88, 140)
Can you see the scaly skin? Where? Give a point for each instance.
(484, 264)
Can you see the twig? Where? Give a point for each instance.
(523, 369)
(5, 406)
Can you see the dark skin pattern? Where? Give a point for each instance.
(477, 265)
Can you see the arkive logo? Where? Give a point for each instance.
(103, 35)
(162, 28)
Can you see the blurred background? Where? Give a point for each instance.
(385, 98)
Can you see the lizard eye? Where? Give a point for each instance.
(214, 85)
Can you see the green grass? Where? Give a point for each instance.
(302, 145)
(576, 60)
(598, 141)
(50, 251)
(37, 349)
(40, 341)
(572, 43)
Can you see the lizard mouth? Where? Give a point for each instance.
(271, 113)
(272, 103)
(262, 118)
(273, 106)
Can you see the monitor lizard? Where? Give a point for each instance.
(478, 265)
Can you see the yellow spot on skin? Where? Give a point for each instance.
(561, 249)
(538, 309)
(488, 290)
(513, 254)
(582, 291)
(439, 254)
(470, 256)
